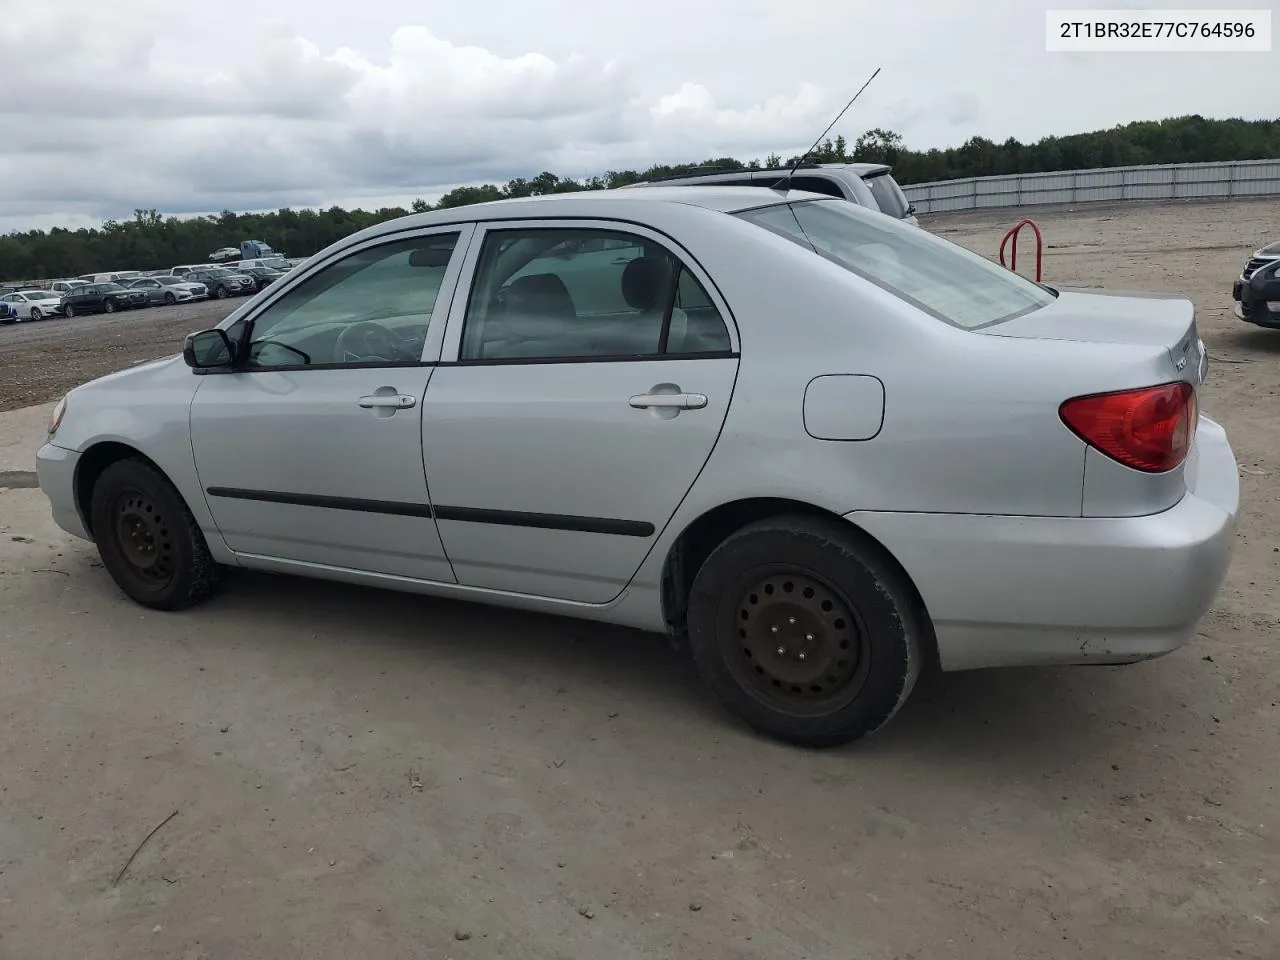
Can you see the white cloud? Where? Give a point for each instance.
(189, 106)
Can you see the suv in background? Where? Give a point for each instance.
(869, 185)
(1257, 292)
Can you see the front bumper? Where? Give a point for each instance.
(1256, 303)
(1028, 591)
(56, 471)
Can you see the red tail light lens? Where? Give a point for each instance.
(1148, 429)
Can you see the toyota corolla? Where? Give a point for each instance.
(817, 445)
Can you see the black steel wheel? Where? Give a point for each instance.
(148, 540)
(796, 642)
(806, 629)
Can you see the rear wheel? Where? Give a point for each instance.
(148, 540)
(805, 630)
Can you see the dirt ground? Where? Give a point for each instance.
(364, 774)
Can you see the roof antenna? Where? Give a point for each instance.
(801, 158)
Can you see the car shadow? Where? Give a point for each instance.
(1009, 722)
(1249, 339)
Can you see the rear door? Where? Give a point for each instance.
(582, 386)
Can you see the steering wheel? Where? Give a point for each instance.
(368, 340)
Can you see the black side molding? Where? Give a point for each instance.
(506, 518)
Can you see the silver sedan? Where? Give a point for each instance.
(818, 446)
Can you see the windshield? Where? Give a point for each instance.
(942, 278)
(889, 196)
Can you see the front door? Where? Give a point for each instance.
(582, 387)
(310, 451)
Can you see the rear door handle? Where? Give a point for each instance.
(678, 401)
(397, 401)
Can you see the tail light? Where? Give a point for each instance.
(1149, 429)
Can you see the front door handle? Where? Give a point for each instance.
(677, 401)
(397, 401)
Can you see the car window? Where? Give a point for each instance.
(942, 278)
(822, 185)
(548, 294)
(889, 196)
(372, 306)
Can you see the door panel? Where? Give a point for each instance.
(547, 480)
(312, 450)
(295, 467)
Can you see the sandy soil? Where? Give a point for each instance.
(362, 774)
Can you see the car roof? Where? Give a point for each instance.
(621, 204)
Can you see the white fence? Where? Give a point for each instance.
(1165, 181)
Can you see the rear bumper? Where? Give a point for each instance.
(56, 471)
(1025, 591)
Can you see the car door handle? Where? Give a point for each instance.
(678, 401)
(397, 401)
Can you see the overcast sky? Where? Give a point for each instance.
(221, 104)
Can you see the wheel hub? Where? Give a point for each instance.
(799, 639)
(143, 537)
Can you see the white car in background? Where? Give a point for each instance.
(63, 287)
(33, 304)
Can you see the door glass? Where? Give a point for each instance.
(548, 294)
(371, 307)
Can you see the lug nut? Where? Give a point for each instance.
(781, 651)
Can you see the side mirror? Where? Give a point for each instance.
(208, 349)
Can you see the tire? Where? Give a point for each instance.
(170, 299)
(68, 311)
(847, 623)
(109, 306)
(148, 540)
(36, 314)
(220, 292)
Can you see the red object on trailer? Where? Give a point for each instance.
(1012, 236)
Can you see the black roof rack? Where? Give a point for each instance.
(712, 170)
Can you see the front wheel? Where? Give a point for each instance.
(170, 299)
(805, 630)
(221, 292)
(148, 540)
(68, 311)
(109, 306)
(35, 313)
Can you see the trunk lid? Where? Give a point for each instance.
(1122, 317)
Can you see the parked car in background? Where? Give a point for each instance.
(471, 402)
(1257, 292)
(6, 314)
(869, 185)
(34, 304)
(262, 276)
(184, 269)
(102, 298)
(110, 276)
(168, 290)
(279, 264)
(66, 286)
(223, 283)
(223, 254)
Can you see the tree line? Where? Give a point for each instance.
(151, 240)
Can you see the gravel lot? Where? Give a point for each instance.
(363, 774)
